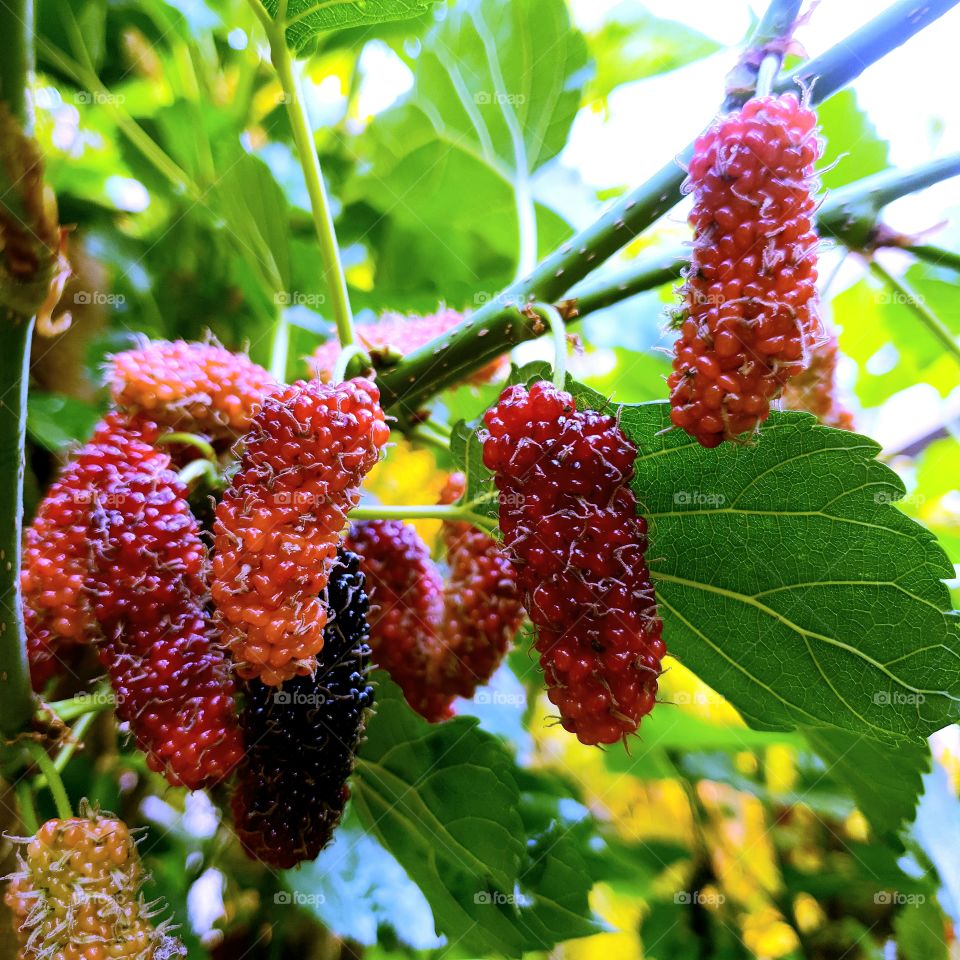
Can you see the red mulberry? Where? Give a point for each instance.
(77, 896)
(401, 334)
(750, 319)
(57, 611)
(815, 390)
(481, 605)
(196, 387)
(302, 737)
(279, 522)
(173, 684)
(570, 524)
(406, 593)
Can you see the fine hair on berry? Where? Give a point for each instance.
(56, 606)
(302, 736)
(172, 680)
(749, 319)
(279, 523)
(816, 391)
(78, 895)
(570, 526)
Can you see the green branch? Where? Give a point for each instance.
(934, 255)
(501, 324)
(16, 697)
(435, 511)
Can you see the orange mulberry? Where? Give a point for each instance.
(195, 387)
(279, 522)
(815, 390)
(77, 896)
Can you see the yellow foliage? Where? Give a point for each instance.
(680, 686)
(408, 475)
(619, 911)
(766, 934)
(780, 769)
(857, 827)
(808, 913)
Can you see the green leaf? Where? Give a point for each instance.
(885, 779)
(307, 18)
(496, 89)
(356, 888)
(633, 44)
(443, 799)
(788, 581)
(853, 150)
(919, 929)
(56, 421)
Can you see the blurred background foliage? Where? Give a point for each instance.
(169, 149)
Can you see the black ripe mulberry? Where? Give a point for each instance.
(302, 737)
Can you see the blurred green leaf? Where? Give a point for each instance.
(852, 149)
(885, 779)
(920, 931)
(56, 421)
(632, 44)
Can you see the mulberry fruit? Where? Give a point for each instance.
(57, 612)
(815, 390)
(302, 737)
(749, 320)
(570, 525)
(195, 387)
(403, 335)
(406, 593)
(279, 522)
(482, 610)
(77, 896)
(173, 684)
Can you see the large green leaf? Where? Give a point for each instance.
(786, 578)
(444, 800)
(307, 18)
(496, 89)
(885, 779)
(632, 44)
(853, 150)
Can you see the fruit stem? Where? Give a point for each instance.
(283, 63)
(66, 752)
(343, 361)
(190, 440)
(197, 469)
(279, 347)
(28, 812)
(501, 323)
(60, 799)
(429, 439)
(16, 696)
(771, 36)
(436, 511)
(550, 313)
(917, 303)
(938, 256)
(98, 700)
(767, 74)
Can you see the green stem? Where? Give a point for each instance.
(915, 301)
(16, 63)
(501, 323)
(280, 347)
(94, 702)
(932, 254)
(772, 32)
(343, 361)
(435, 511)
(429, 439)
(66, 752)
(198, 469)
(190, 440)
(28, 811)
(313, 175)
(54, 783)
(559, 334)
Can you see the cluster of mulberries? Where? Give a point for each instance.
(482, 610)
(57, 612)
(749, 319)
(437, 638)
(570, 524)
(194, 387)
(394, 332)
(279, 522)
(302, 736)
(77, 896)
(172, 681)
(406, 592)
(815, 390)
